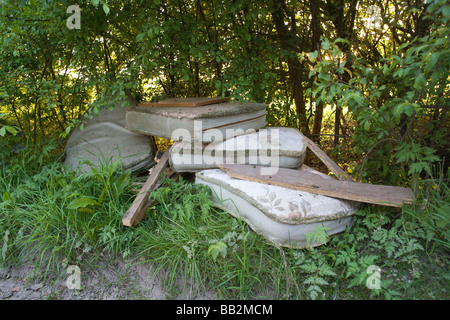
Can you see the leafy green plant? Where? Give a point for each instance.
(81, 202)
(432, 209)
(316, 273)
(52, 214)
(217, 248)
(6, 128)
(319, 236)
(390, 101)
(176, 232)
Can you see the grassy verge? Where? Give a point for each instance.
(54, 218)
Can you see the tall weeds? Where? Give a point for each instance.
(52, 217)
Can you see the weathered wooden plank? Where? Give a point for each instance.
(331, 165)
(184, 102)
(167, 171)
(137, 209)
(310, 182)
(174, 176)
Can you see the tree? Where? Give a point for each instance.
(278, 52)
(394, 101)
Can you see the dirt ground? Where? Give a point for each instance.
(105, 281)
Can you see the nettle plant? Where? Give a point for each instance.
(399, 103)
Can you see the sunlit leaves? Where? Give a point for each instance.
(387, 99)
(313, 55)
(105, 8)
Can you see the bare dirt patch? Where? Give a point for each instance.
(106, 280)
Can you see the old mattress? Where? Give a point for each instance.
(271, 146)
(283, 216)
(105, 139)
(206, 123)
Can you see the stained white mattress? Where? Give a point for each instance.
(271, 146)
(283, 216)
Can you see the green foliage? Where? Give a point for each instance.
(181, 201)
(53, 215)
(82, 202)
(218, 247)
(419, 157)
(391, 83)
(319, 236)
(50, 213)
(10, 141)
(6, 128)
(316, 271)
(393, 100)
(432, 209)
(51, 74)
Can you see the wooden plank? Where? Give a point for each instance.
(331, 165)
(167, 172)
(184, 102)
(136, 211)
(174, 176)
(314, 183)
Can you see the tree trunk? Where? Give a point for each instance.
(315, 45)
(295, 76)
(344, 24)
(337, 124)
(288, 39)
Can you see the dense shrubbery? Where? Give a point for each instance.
(399, 103)
(387, 88)
(385, 85)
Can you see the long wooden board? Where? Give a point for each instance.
(184, 102)
(331, 165)
(137, 209)
(310, 182)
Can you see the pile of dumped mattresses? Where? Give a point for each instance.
(209, 132)
(255, 172)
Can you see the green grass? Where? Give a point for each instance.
(51, 217)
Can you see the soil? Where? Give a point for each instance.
(107, 280)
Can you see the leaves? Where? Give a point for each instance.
(6, 196)
(418, 157)
(105, 8)
(313, 55)
(318, 271)
(386, 101)
(5, 128)
(319, 235)
(218, 248)
(81, 202)
(420, 82)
